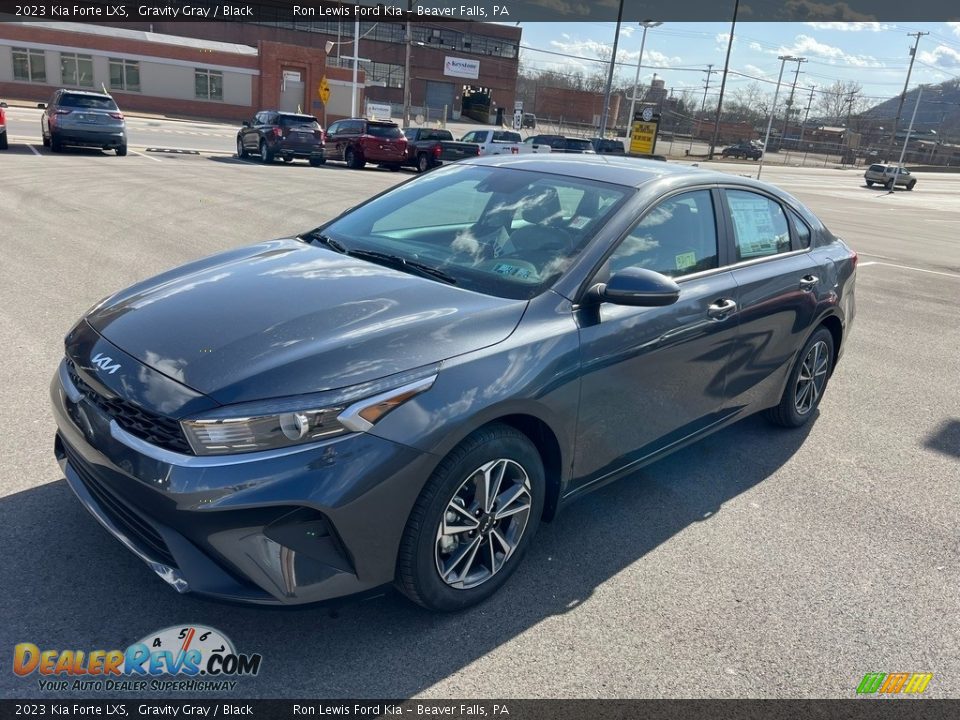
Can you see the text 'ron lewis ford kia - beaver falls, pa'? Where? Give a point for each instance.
(404, 393)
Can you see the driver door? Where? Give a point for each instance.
(654, 376)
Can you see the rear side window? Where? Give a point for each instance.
(802, 230)
(87, 101)
(384, 131)
(678, 237)
(759, 225)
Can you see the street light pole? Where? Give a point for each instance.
(793, 88)
(910, 129)
(723, 81)
(605, 114)
(773, 108)
(356, 61)
(703, 104)
(646, 24)
(903, 95)
(406, 69)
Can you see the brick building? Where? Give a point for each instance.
(572, 106)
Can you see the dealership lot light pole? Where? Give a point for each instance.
(605, 114)
(646, 25)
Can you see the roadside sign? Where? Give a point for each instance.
(517, 119)
(518, 105)
(380, 111)
(323, 90)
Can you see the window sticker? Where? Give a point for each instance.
(755, 225)
(579, 222)
(686, 260)
(511, 270)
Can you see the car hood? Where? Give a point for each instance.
(286, 318)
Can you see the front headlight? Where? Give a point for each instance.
(277, 424)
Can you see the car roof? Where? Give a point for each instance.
(619, 170)
(89, 93)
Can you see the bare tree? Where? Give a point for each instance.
(844, 98)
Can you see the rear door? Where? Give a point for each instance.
(778, 291)
(653, 376)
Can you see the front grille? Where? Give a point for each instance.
(155, 429)
(123, 516)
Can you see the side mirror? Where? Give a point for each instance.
(637, 287)
(246, 123)
(42, 106)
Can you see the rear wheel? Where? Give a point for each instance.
(288, 158)
(266, 154)
(317, 161)
(474, 520)
(55, 144)
(423, 162)
(807, 382)
(121, 150)
(353, 159)
(241, 150)
(869, 183)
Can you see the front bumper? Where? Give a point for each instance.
(279, 527)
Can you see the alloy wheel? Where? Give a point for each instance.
(812, 378)
(483, 524)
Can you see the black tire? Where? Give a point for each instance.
(793, 412)
(317, 161)
(423, 163)
(3, 141)
(869, 183)
(266, 154)
(421, 554)
(353, 160)
(55, 144)
(911, 185)
(121, 150)
(288, 158)
(46, 141)
(241, 150)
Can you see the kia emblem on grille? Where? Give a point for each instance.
(105, 363)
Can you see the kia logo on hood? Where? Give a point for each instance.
(105, 363)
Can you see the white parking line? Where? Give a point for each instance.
(35, 151)
(134, 152)
(907, 267)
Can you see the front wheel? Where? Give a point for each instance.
(3, 141)
(911, 185)
(241, 150)
(807, 382)
(353, 160)
(474, 520)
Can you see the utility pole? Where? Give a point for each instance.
(806, 115)
(605, 115)
(723, 82)
(703, 104)
(773, 109)
(793, 88)
(846, 128)
(903, 95)
(910, 129)
(406, 68)
(646, 24)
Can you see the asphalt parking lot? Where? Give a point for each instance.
(758, 563)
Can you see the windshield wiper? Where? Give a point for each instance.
(401, 263)
(319, 237)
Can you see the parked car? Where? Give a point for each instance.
(607, 146)
(358, 141)
(496, 142)
(329, 437)
(747, 151)
(431, 147)
(889, 176)
(545, 143)
(83, 118)
(274, 134)
(529, 121)
(578, 146)
(3, 126)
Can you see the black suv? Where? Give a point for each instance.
(288, 135)
(747, 151)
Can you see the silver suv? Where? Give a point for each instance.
(78, 117)
(888, 176)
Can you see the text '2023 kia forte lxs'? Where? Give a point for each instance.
(414, 386)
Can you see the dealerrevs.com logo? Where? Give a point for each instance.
(201, 658)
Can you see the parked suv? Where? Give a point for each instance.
(272, 134)
(358, 141)
(607, 146)
(3, 126)
(81, 117)
(888, 176)
(747, 151)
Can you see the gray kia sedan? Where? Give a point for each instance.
(403, 394)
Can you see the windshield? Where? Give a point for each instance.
(306, 121)
(384, 131)
(88, 101)
(494, 230)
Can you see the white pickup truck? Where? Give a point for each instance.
(497, 142)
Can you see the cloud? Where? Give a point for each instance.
(941, 56)
(955, 26)
(850, 26)
(805, 46)
(593, 49)
(627, 30)
(754, 70)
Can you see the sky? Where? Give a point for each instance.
(876, 55)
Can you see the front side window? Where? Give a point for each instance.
(124, 75)
(29, 65)
(759, 225)
(208, 84)
(678, 237)
(76, 70)
(499, 231)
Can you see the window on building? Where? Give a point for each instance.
(76, 70)
(208, 84)
(124, 75)
(377, 73)
(29, 65)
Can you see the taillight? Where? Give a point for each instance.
(64, 112)
(323, 136)
(436, 151)
(278, 132)
(117, 115)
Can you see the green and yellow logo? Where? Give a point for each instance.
(894, 683)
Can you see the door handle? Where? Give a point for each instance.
(809, 282)
(721, 308)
